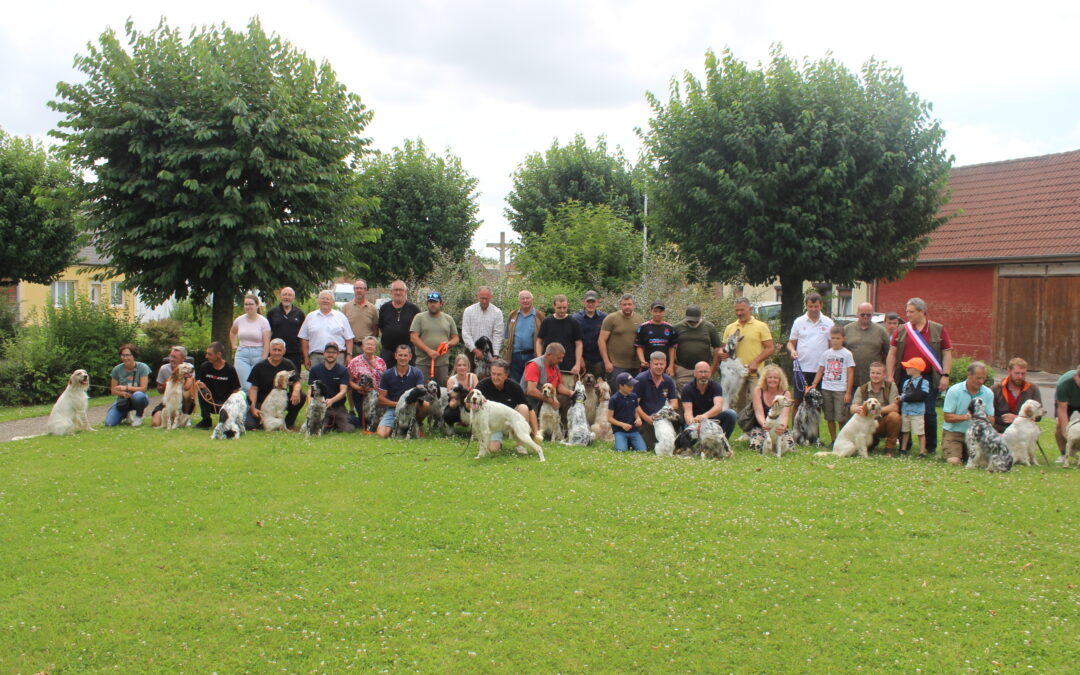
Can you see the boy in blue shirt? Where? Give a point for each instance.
(913, 404)
(623, 417)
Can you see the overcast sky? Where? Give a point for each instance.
(494, 81)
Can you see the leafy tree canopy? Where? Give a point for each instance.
(427, 207)
(38, 199)
(582, 244)
(574, 172)
(224, 162)
(802, 172)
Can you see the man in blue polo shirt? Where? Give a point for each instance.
(395, 382)
(956, 411)
(591, 319)
(654, 389)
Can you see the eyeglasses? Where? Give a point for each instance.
(866, 314)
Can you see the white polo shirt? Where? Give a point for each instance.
(319, 329)
(811, 341)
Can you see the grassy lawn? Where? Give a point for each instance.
(138, 550)
(11, 413)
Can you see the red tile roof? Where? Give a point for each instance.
(1023, 209)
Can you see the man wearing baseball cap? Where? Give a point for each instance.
(590, 318)
(433, 333)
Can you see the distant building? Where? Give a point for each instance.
(1004, 273)
(75, 281)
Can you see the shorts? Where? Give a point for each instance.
(833, 405)
(388, 418)
(952, 444)
(915, 424)
(496, 436)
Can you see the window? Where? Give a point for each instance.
(843, 302)
(116, 294)
(95, 292)
(63, 292)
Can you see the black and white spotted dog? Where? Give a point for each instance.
(807, 424)
(369, 404)
(664, 421)
(456, 412)
(705, 439)
(577, 424)
(316, 411)
(732, 371)
(406, 424)
(231, 419)
(483, 364)
(986, 445)
(440, 400)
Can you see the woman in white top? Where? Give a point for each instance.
(462, 375)
(250, 338)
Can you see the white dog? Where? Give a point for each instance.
(577, 431)
(732, 371)
(487, 417)
(550, 423)
(663, 424)
(858, 434)
(173, 417)
(69, 411)
(1072, 439)
(1022, 436)
(231, 421)
(275, 403)
(601, 427)
(773, 442)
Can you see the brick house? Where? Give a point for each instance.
(1003, 274)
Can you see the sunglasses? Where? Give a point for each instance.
(865, 314)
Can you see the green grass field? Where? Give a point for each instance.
(139, 550)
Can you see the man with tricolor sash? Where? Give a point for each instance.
(929, 341)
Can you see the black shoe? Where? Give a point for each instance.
(205, 424)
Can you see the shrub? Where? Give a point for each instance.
(958, 371)
(9, 322)
(78, 335)
(158, 339)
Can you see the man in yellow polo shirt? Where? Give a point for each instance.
(755, 347)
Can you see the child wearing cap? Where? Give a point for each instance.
(623, 417)
(913, 404)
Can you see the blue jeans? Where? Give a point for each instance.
(119, 410)
(930, 419)
(727, 419)
(517, 364)
(244, 360)
(633, 438)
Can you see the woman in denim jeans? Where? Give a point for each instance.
(129, 381)
(250, 338)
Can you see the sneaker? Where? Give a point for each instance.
(130, 419)
(1060, 459)
(136, 421)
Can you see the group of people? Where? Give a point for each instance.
(648, 364)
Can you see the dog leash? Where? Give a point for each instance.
(1039, 446)
(800, 378)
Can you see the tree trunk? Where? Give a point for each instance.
(222, 318)
(792, 305)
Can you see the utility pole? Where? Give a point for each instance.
(645, 236)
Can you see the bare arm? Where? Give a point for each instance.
(946, 368)
(414, 337)
(768, 349)
(890, 364)
(304, 351)
(601, 344)
(265, 345)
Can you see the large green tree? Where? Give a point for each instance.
(574, 172)
(797, 172)
(224, 161)
(427, 207)
(38, 199)
(582, 244)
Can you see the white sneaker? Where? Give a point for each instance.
(136, 421)
(130, 419)
(1060, 459)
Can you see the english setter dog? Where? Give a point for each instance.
(577, 423)
(858, 434)
(487, 417)
(601, 427)
(172, 416)
(986, 445)
(369, 404)
(316, 412)
(69, 411)
(664, 421)
(231, 418)
(774, 443)
(275, 403)
(440, 401)
(807, 424)
(482, 365)
(1022, 436)
(406, 424)
(732, 371)
(709, 439)
(550, 422)
(1072, 440)
(459, 412)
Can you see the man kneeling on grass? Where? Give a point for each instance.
(333, 379)
(394, 383)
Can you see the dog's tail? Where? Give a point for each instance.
(23, 438)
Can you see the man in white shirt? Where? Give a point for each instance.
(808, 341)
(325, 325)
(482, 319)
